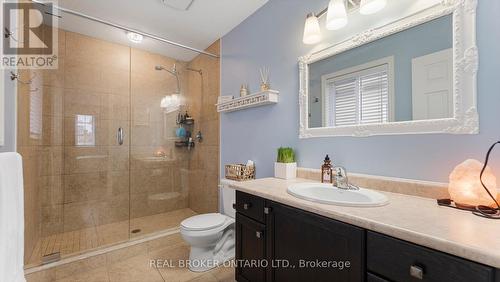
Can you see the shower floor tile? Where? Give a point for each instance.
(158, 222)
(79, 241)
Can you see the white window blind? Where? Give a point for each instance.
(345, 102)
(36, 104)
(374, 98)
(360, 97)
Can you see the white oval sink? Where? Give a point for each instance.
(328, 194)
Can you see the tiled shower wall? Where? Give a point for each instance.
(70, 186)
(40, 142)
(158, 168)
(203, 170)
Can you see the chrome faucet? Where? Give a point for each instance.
(341, 179)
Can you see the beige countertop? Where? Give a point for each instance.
(411, 218)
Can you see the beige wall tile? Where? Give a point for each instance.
(79, 215)
(81, 102)
(52, 131)
(69, 187)
(204, 163)
(51, 190)
(51, 160)
(52, 219)
(85, 159)
(53, 101)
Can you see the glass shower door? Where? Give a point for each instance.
(158, 172)
(96, 143)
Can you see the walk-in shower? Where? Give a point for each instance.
(101, 165)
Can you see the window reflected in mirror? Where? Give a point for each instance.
(359, 95)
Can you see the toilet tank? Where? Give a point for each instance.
(228, 199)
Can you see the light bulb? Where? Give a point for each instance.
(134, 37)
(368, 7)
(312, 32)
(336, 18)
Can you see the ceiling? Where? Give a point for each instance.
(203, 23)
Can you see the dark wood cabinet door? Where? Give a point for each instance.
(317, 248)
(250, 250)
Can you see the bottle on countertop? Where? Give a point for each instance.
(326, 171)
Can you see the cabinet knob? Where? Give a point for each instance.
(246, 206)
(267, 210)
(258, 234)
(417, 271)
(234, 206)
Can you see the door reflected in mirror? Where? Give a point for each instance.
(402, 77)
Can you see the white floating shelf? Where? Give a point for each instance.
(254, 100)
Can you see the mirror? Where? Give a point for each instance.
(401, 77)
(396, 79)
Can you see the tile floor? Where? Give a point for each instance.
(79, 241)
(129, 266)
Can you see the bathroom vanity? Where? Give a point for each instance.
(305, 241)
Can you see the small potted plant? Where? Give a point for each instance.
(285, 166)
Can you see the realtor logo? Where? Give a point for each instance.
(30, 35)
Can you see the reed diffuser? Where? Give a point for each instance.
(264, 79)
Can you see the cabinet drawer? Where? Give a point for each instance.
(402, 261)
(250, 205)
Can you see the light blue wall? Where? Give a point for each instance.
(272, 37)
(421, 40)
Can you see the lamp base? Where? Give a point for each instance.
(483, 211)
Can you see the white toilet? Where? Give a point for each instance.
(211, 235)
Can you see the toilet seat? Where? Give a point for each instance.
(203, 222)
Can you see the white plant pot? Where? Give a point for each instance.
(285, 170)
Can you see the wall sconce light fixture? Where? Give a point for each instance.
(336, 16)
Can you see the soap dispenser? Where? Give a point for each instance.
(326, 171)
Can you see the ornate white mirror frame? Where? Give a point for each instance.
(465, 66)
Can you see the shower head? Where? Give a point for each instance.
(173, 71)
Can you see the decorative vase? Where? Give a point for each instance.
(285, 170)
(243, 90)
(264, 87)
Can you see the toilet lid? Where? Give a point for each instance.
(203, 221)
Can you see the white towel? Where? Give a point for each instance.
(11, 218)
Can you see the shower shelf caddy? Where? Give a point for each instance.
(253, 100)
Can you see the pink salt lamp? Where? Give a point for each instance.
(465, 187)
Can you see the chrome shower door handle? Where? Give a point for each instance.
(119, 136)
